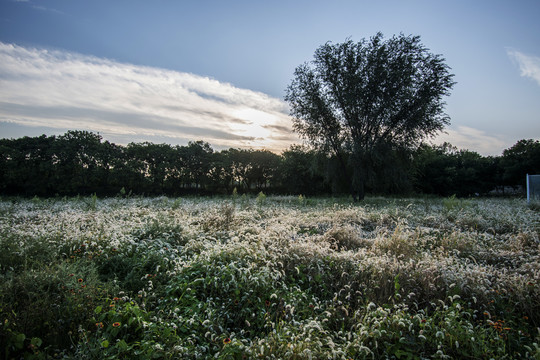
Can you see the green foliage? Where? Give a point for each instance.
(393, 278)
(445, 170)
(521, 159)
(81, 163)
(50, 304)
(453, 203)
(261, 199)
(361, 100)
(534, 206)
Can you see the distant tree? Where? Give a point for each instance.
(27, 165)
(152, 163)
(240, 167)
(363, 98)
(445, 170)
(220, 175)
(197, 157)
(301, 171)
(520, 159)
(434, 169)
(263, 168)
(79, 162)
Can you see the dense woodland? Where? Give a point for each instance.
(82, 163)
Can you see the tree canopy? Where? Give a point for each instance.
(80, 162)
(360, 101)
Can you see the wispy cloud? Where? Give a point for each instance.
(38, 7)
(58, 89)
(529, 65)
(465, 137)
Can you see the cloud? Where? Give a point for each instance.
(464, 137)
(528, 64)
(59, 89)
(38, 7)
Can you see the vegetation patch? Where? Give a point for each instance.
(269, 277)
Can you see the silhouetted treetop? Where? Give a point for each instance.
(357, 99)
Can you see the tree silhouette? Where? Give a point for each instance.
(356, 100)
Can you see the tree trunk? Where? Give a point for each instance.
(357, 187)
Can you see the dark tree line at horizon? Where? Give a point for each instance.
(81, 163)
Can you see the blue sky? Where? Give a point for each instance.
(175, 71)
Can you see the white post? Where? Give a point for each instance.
(528, 190)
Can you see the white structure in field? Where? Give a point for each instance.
(533, 188)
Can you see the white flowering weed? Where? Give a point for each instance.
(273, 277)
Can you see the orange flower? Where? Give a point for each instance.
(116, 298)
(80, 280)
(226, 341)
(99, 324)
(116, 324)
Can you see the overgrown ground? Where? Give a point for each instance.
(269, 278)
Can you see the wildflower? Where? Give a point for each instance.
(71, 275)
(99, 324)
(116, 298)
(80, 280)
(116, 324)
(226, 341)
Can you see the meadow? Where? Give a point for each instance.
(272, 277)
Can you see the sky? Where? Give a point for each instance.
(215, 70)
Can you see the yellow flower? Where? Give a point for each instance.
(226, 341)
(116, 324)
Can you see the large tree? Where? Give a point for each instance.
(358, 100)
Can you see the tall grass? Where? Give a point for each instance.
(269, 277)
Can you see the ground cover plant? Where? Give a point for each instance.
(269, 277)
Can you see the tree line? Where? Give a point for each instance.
(82, 163)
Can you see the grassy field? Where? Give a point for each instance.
(269, 278)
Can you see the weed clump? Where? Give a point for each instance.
(263, 277)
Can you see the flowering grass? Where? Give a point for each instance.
(269, 278)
